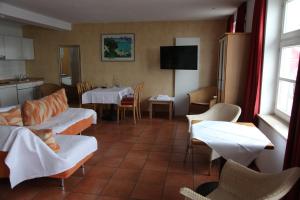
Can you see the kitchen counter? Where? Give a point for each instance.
(13, 91)
(9, 82)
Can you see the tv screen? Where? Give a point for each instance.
(179, 57)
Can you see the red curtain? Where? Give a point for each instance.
(292, 153)
(251, 102)
(230, 24)
(240, 18)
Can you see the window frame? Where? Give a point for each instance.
(286, 40)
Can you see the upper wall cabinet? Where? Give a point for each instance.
(27, 49)
(18, 48)
(13, 48)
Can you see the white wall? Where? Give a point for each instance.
(9, 69)
(185, 80)
(271, 161)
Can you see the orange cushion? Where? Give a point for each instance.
(12, 117)
(46, 135)
(59, 102)
(37, 111)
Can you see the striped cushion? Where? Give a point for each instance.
(37, 111)
(46, 135)
(11, 118)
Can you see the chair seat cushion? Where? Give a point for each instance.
(127, 101)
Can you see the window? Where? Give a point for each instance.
(289, 59)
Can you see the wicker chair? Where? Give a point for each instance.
(218, 112)
(241, 183)
(202, 98)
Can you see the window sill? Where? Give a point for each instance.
(277, 124)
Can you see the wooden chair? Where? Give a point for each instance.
(140, 89)
(131, 104)
(83, 87)
(202, 98)
(48, 88)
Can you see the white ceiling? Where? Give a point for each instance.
(76, 11)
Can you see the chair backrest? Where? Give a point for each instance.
(203, 95)
(223, 112)
(136, 91)
(140, 90)
(48, 88)
(246, 184)
(82, 87)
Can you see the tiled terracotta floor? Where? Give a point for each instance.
(143, 161)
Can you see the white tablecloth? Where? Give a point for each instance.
(29, 157)
(106, 95)
(231, 140)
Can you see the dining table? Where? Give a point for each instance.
(241, 142)
(111, 95)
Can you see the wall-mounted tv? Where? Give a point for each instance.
(179, 57)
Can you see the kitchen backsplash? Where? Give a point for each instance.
(10, 69)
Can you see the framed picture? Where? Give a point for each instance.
(117, 47)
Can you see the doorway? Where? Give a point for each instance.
(70, 70)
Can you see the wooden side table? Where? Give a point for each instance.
(170, 103)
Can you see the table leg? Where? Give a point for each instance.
(150, 110)
(170, 110)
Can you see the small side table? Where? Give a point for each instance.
(170, 103)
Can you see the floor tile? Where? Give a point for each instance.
(147, 191)
(156, 165)
(132, 163)
(101, 172)
(126, 174)
(90, 185)
(51, 194)
(152, 177)
(119, 188)
(180, 179)
(80, 196)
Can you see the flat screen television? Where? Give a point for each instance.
(179, 57)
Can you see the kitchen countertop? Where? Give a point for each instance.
(16, 81)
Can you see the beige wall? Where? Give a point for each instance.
(149, 36)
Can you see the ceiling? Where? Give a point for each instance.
(76, 11)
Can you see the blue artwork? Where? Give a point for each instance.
(118, 47)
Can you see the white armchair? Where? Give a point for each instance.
(239, 182)
(218, 112)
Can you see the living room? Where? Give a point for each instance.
(142, 157)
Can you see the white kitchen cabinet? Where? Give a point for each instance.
(2, 51)
(16, 48)
(28, 91)
(8, 95)
(27, 49)
(13, 48)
